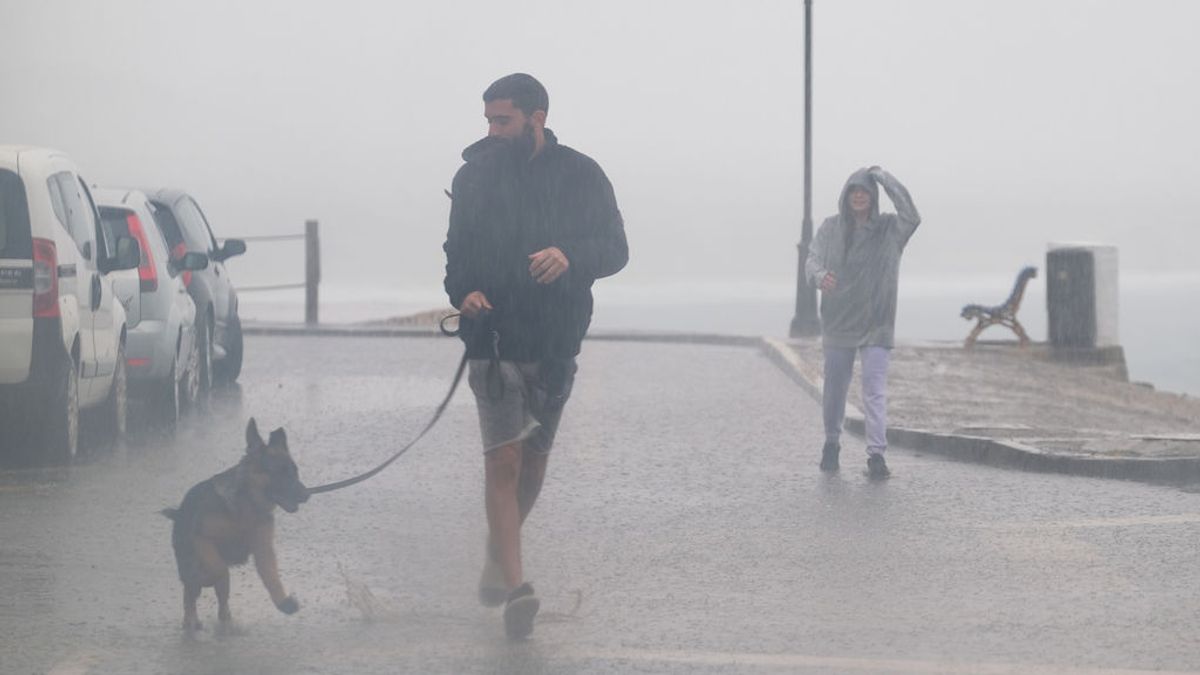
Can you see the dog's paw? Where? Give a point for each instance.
(288, 605)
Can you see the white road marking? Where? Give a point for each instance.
(837, 663)
(1124, 521)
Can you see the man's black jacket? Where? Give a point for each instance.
(505, 208)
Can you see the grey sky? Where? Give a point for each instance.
(1012, 123)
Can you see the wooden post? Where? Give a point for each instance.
(312, 272)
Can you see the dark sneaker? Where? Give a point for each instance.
(519, 611)
(492, 589)
(877, 467)
(829, 456)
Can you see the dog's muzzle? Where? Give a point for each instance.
(290, 498)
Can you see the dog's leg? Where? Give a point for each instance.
(191, 621)
(222, 589)
(268, 569)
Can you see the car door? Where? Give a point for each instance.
(79, 274)
(197, 232)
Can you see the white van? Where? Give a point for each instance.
(62, 333)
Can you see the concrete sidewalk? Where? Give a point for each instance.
(1007, 406)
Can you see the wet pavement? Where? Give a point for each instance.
(683, 528)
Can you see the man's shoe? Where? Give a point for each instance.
(519, 611)
(877, 468)
(492, 589)
(829, 456)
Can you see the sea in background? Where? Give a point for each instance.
(1159, 314)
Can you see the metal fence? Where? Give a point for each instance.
(312, 269)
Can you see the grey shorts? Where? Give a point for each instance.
(520, 402)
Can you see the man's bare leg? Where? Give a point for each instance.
(502, 469)
(533, 472)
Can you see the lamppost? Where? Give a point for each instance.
(806, 323)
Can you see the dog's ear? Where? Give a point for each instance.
(253, 440)
(278, 439)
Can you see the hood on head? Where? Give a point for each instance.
(862, 178)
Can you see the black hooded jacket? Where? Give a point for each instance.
(504, 208)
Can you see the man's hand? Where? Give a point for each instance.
(547, 265)
(474, 303)
(828, 282)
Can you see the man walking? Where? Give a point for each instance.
(532, 224)
(855, 261)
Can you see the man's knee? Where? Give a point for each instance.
(504, 463)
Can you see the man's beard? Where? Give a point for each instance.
(521, 147)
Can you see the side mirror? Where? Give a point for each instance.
(190, 262)
(230, 248)
(128, 257)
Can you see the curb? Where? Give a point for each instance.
(990, 451)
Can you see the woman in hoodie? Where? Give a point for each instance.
(855, 261)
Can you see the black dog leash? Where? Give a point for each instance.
(462, 366)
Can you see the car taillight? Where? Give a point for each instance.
(45, 279)
(147, 274)
(177, 253)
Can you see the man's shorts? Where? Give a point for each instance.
(520, 402)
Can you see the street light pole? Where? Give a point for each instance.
(806, 323)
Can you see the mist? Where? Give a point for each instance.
(1012, 124)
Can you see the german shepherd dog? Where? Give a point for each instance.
(229, 517)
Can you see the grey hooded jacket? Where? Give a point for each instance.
(861, 310)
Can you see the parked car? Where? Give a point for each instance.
(161, 355)
(185, 228)
(62, 334)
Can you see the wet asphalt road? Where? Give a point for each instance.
(683, 528)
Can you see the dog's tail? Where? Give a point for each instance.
(170, 513)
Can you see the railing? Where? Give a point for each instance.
(312, 269)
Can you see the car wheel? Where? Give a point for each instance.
(60, 440)
(189, 384)
(231, 366)
(114, 413)
(204, 338)
(168, 403)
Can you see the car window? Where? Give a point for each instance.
(167, 225)
(195, 228)
(56, 200)
(76, 215)
(15, 238)
(108, 241)
(115, 223)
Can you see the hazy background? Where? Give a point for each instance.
(1013, 123)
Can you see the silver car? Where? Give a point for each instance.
(162, 353)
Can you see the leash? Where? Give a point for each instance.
(462, 366)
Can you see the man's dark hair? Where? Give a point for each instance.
(523, 90)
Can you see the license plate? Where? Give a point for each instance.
(16, 277)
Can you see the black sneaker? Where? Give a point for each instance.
(829, 456)
(519, 611)
(877, 467)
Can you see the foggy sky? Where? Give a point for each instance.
(1013, 123)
